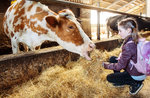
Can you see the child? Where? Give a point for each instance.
(128, 30)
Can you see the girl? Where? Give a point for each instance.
(128, 30)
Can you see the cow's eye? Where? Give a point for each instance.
(71, 27)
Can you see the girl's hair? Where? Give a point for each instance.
(130, 23)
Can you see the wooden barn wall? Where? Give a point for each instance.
(5, 46)
(4, 4)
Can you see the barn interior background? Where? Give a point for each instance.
(89, 20)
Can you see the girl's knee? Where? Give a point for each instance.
(109, 78)
(113, 59)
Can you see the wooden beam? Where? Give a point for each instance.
(114, 3)
(124, 1)
(101, 1)
(130, 10)
(126, 5)
(138, 10)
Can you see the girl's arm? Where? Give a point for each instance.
(124, 59)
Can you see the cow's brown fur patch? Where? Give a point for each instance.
(7, 30)
(4, 20)
(30, 7)
(19, 15)
(39, 16)
(18, 6)
(38, 9)
(37, 29)
(12, 34)
(10, 8)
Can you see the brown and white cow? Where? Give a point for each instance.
(32, 23)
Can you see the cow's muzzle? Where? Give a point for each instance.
(86, 53)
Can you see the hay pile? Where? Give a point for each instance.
(80, 79)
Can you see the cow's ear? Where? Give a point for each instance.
(52, 21)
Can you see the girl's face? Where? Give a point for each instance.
(124, 32)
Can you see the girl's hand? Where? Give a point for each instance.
(103, 64)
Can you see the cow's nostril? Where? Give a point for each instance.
(92, 45)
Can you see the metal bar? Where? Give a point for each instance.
(77, 5)
(98, 25)
(108, 34)
(98, 22)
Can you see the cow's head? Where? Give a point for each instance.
(69, 33)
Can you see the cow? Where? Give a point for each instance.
(31, 23)
(112, 22)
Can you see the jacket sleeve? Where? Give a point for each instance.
(124, 59)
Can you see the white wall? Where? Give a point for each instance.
(148, 8)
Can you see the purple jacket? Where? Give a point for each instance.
(129, 52)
